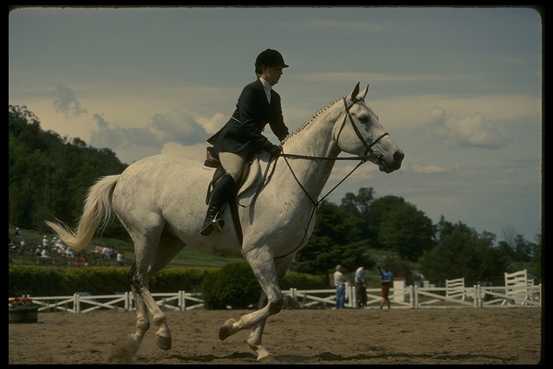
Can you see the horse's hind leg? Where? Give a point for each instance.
(142, 321)
(146, 245)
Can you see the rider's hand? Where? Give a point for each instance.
(275, 149)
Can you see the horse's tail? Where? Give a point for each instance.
(97, 209)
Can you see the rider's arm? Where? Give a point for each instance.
(277, 122)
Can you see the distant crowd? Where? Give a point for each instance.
(52, 251)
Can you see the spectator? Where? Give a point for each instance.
(386, 278)
(69, 253)
(340, 283)
(44, 256)
(44, 241)
(17, 232)
(360, 287)
(120, 260)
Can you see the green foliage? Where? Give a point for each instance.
(48, 281)
(462, 252)
(402, 227)
(174, 279)
(303, 281)
(234, 285)
(49, 175)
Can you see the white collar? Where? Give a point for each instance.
(266, 85)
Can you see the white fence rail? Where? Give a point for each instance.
(79, 303)
(410, 297)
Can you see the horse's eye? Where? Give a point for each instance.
(364, 119)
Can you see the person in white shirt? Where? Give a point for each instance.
(44, 256)
(360, 288)
(340, 283)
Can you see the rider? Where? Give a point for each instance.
(241, 138)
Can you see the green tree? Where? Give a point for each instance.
(401, 227)
(358, 206)
(50, 175)
(462, 252)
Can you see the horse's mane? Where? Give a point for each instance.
(310, 120)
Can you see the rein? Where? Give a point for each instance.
(362, 160)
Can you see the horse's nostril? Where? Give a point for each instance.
(398, 156)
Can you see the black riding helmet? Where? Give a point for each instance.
(269, 57)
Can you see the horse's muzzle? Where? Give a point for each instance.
(395, 164)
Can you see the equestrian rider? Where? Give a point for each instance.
(241, 138)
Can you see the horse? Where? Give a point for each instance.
(157, 200)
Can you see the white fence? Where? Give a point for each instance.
(78, 303)
(409, 297)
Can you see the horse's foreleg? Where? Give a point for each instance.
(254, 340)
(261, 261)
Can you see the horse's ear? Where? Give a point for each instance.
(362, 95)
(354, 93)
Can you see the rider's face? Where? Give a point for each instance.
(272, 74)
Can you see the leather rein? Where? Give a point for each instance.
(362, 160)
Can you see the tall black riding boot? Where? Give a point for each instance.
(223, 190)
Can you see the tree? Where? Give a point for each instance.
(462, 252)
(334, 241)
(401, 227)
(358, 206)
(49, 175)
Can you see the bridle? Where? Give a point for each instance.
(362, 160)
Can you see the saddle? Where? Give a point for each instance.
(250, 184)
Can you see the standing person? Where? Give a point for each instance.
(340, 283)
(241, 138)
(360, 288)
(386, 278)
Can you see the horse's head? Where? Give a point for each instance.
(358, 131)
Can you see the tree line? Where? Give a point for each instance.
(49, 176)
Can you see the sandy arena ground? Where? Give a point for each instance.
(433, 336)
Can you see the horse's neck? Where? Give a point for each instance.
(313, 140)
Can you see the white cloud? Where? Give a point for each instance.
(472, 130)
(212, 124)
(66, 101)
(134, 143)
(192, 152)
(428, 169)
(413, 111)
(372, 77)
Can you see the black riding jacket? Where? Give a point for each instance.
(242, 133)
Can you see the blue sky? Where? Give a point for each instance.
(459, 89)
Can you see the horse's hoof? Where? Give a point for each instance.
(227, 329)
(262, 353)
(164, 342)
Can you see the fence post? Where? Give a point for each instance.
(181, 300)
(415, 298)
(76, 303)
(353, 296)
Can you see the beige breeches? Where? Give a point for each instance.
(232, 164)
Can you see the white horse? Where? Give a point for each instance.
(160, 200)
